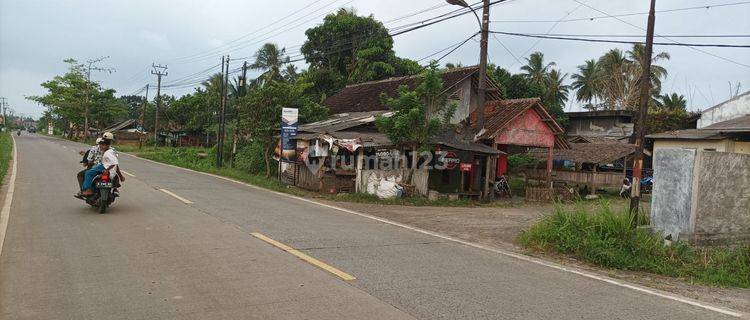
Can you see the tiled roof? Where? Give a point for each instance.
(366, 96)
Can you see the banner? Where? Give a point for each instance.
(289, 125)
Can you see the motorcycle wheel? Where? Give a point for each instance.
(103, 200)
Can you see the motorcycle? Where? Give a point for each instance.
(105, 191)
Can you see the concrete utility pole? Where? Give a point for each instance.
(159, 71)
(640, 125)
(222, 111)
(143, 118)
(90, 66)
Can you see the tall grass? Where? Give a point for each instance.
(6, 149)
(606, 238)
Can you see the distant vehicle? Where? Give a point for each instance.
(32, 130)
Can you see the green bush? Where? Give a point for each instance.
(6, 148)
(606, 238)
(250, 158)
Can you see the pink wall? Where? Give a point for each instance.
(527, 130)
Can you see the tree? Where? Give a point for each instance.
(134, 104)
(586, 82)
(619, 74)
(418, 114)
(672, 101)
(270, 59)
(260, 112)
(556, 89)
(353, 48)
(105, 109)
(536, 69)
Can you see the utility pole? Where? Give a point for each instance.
(143, 118)
(159, 71)
(640, 125)
(90, 66)
(483, 64)
(222, 112)
(241, 90)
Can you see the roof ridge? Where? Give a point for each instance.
(409, 77)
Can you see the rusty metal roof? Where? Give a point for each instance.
(365, 96)
(343, 121)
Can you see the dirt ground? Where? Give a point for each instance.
(499, 227)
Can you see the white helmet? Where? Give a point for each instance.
(108, 136)
(98, 140)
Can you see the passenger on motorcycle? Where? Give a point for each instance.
(90, 158)
(109, 161)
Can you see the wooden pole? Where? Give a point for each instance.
(640, 125)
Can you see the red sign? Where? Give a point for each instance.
(451, 160)
(466, 167)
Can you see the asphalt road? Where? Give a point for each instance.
(153, 256)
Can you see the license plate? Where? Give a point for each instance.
(104, 185)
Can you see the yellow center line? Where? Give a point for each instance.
(185, 201)
(320, 264)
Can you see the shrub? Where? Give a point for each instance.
(518, 161)
(606, 238)
(250, 158)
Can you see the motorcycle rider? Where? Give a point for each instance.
(108, 162)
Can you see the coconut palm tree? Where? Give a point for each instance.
(555, 89)
(270, 59)
(536, 69)
(672, 101)
(637, 56)
(586, 82)
(290, 73)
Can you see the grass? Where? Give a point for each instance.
(6, 148)
(200, 159)
(605, 238)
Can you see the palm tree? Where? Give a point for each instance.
(637, 56)
(615, 80)
(270, 59)
(586, 82)
(535, 68)
(290, 73)
(556, 91)
(672, 101)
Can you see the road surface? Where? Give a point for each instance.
(180, 245)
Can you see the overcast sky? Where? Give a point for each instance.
(35, 36)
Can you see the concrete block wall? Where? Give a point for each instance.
(701, 196)
(734, 108)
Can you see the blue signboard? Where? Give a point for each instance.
(289, 125)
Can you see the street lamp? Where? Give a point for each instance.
(462, 3)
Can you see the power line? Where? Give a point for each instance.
(624, 14)
(660, 36)
(621, 41)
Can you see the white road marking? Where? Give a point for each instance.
(5, 212)
(185, 201)
(552, 265)
(127, 173)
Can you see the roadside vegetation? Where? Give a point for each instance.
(605, 238)
(6, 149)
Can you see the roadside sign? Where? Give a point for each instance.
(466, 167)
(289, 125)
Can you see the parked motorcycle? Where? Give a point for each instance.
(105, 186)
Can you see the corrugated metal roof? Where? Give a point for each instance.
(715, 131)
(740, 124)
(343, 121)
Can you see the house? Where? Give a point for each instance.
(460, 84)
(346, 153)
(733, 108)
(127, 132)
(604, 124)
(727, 136)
